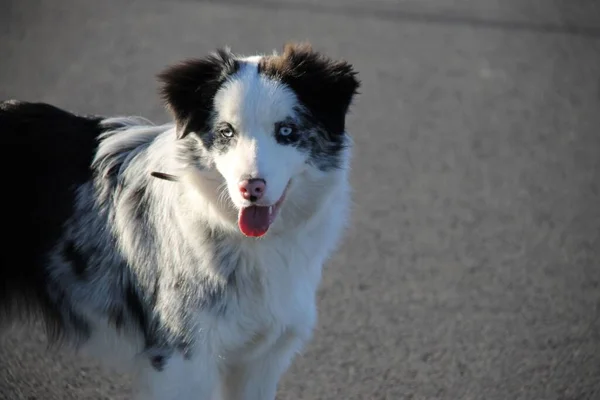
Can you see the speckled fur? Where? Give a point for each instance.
(156, 275)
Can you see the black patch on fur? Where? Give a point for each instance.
(55, 149)
(137, 200)
(132, 309)
(62, 321)
(323, 155)
(159, 356)
(324, 149)
(158, 362)
(116, 315)
(324, 86)
(74, 256)
(189, 88)
(135, 306)
(213, 298)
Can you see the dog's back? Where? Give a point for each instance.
(48, 153)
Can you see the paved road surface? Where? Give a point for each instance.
(472, 268)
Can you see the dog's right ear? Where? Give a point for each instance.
(189, 88)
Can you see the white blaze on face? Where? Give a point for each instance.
(253, 105)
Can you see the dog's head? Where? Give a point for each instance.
(272, 126)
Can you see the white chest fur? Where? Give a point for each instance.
(274, 296)
(276, 286)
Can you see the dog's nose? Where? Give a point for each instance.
(252, 189)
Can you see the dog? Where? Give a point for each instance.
(188, 253)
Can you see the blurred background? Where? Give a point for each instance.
(472, 266)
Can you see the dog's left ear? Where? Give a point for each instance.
(189, 88)
(325, 86)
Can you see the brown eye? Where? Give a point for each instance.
(226, 131)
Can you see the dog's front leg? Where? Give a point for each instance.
(258, 379)
(176, 378)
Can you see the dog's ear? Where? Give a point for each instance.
(189, 88)
(325, 86)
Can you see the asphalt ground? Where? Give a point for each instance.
(472, 266)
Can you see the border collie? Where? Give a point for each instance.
(204, 282)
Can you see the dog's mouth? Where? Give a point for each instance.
(255, 221)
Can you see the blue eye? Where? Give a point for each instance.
(286, 131)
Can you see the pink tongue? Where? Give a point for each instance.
(254, 220)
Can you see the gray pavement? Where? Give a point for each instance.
(472, 267)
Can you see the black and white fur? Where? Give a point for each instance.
(156, 275)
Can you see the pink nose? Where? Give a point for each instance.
(252, 189)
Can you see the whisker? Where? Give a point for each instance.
(222, 194)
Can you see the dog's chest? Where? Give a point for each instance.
(273, 296)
